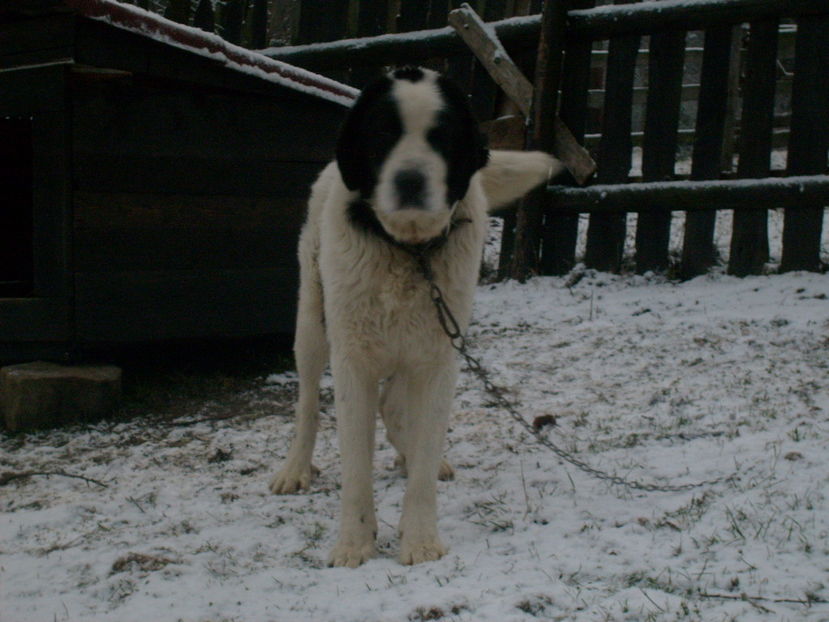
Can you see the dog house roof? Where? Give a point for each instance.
(134, 19)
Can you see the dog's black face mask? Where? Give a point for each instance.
(409, 148)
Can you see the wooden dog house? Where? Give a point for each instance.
(152, 178)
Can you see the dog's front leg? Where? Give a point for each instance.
(430, 401)
(355, 400)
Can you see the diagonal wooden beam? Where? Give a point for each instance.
(484, 43)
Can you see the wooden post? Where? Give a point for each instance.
(749, 239)
(808, 142)
(528, 217)
(666, 59)
(558, 244)
(606, 232)
(698, 253)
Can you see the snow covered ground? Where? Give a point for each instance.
(654, 380)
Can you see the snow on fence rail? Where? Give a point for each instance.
(609, 105)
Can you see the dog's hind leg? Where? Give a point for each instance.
(311, 353)
(393, 407)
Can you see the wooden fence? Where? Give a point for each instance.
(708, 83)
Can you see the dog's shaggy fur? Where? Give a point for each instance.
(411, 167)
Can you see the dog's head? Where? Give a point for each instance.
(409, 147)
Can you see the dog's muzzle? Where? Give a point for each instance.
(410, 187)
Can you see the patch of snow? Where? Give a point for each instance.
(655, 380)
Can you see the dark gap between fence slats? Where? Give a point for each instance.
(606, 232)
(749, 236)
(698, 253)
(808, 141)
(667, 55)
(558, 250)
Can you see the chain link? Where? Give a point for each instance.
(459, 342)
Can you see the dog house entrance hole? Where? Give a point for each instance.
(16, 207)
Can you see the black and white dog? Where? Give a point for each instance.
(411, 167)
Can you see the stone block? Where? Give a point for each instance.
(37, 395)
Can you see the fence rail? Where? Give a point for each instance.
(708, 83)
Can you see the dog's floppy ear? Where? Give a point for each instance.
(470, 152)
(352, 145)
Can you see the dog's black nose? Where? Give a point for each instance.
(410, 185)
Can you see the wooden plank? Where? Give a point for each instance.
(413, 15)
(172, 232)
(146, 117)
(47, 32)
(698, 252)
(515, 85)
(493, 57)
(653, 230)
(649, 17)
(33, 320)
(515, 33)
(24, 91)
(749, 239)
(530, 215)
(606, 232)
(808, 143)
(121, 307)
(559, 237)
(749, 194)
(322, 20)
(51, 203)
(113, 172)
(372, 18)
(16, 227)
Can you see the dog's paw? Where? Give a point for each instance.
(424, 549)
(351, 554)
(292, 478)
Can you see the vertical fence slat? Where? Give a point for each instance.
(606, 232)
(558, 244)
(258, 24)
(808, 141)
(372, 18)
(413, 15)
(749, 237)
(205, 17)
(232, 16)
(529, 215)
(666, 60)
(322, 20)
(698, 253)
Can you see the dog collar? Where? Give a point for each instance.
(361, 216)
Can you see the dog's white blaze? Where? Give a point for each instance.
(418, 104)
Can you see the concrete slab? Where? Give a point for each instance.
(39, 394)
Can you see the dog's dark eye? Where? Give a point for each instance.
(383, 142)
(442, 139)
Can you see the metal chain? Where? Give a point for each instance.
(459, 342)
